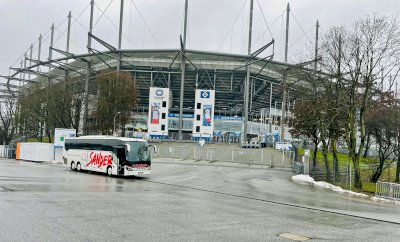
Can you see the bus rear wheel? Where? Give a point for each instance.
(109, 171)
(78, 166)
(72, 165)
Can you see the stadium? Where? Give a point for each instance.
(249, 90)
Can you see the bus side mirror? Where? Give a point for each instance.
(128, 148)
(154, 148)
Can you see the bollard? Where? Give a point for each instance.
(270, 161)
(262, 156)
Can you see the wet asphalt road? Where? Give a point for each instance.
(181, 201)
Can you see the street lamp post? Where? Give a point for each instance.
(114, 121)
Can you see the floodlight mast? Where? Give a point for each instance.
(183, 49)
(247, 81)
(121, 18)
(283, 113)
(85, 114)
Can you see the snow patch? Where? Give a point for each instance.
(385, 200)
(322, 184)
(303, 178)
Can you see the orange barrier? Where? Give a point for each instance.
(18, 151)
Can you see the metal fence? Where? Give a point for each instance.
(388, 190)
(298, 168)
(270, 158)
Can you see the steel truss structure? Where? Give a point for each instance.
(244, 84)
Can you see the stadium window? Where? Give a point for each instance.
(163, 116)
(164, 104)
(198, 105)
(197, 129)
(198, 117)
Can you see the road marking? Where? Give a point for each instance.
(295, 237)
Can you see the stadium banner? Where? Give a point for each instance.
(159, 103)
(203, 120)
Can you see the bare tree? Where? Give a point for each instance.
(381, 123)
(362, 61)
(117, 94)
(8, 115)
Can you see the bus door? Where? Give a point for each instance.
(119, 159)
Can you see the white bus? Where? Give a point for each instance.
(111, 155)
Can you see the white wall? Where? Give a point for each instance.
(36, 151)
(159, 102)
(2, 150)
(206, 99)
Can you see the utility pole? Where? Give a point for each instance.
(284, 75)
(247, 81)
(30, 59)
(121, 17)
(183, 66)
(89, 44)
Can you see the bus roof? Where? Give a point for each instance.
(105, 137)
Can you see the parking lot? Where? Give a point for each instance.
(181, 201)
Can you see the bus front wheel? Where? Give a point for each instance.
(109, 171)
(72, 165)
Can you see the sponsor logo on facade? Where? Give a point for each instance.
(99, 160)
(159, 92)
(204, 94)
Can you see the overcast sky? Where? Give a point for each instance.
(214, 25)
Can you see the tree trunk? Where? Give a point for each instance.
(315, 156)
(351, 143)
(335, 159)
(357, 176)
(326, 161)
(367, 145)
(48, 132)
(398, 169)
(377, 174)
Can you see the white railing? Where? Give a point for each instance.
(388, 190)
(270, 158)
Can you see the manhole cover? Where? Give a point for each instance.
(295, 237)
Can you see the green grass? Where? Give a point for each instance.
(342, 158)
(369, 187)
(44, 140)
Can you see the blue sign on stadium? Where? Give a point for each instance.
(183, 115)
(227, 117)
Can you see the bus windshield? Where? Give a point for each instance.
(138, 152)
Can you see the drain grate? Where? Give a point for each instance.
(295, 237)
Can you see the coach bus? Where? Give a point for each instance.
(107, 154)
